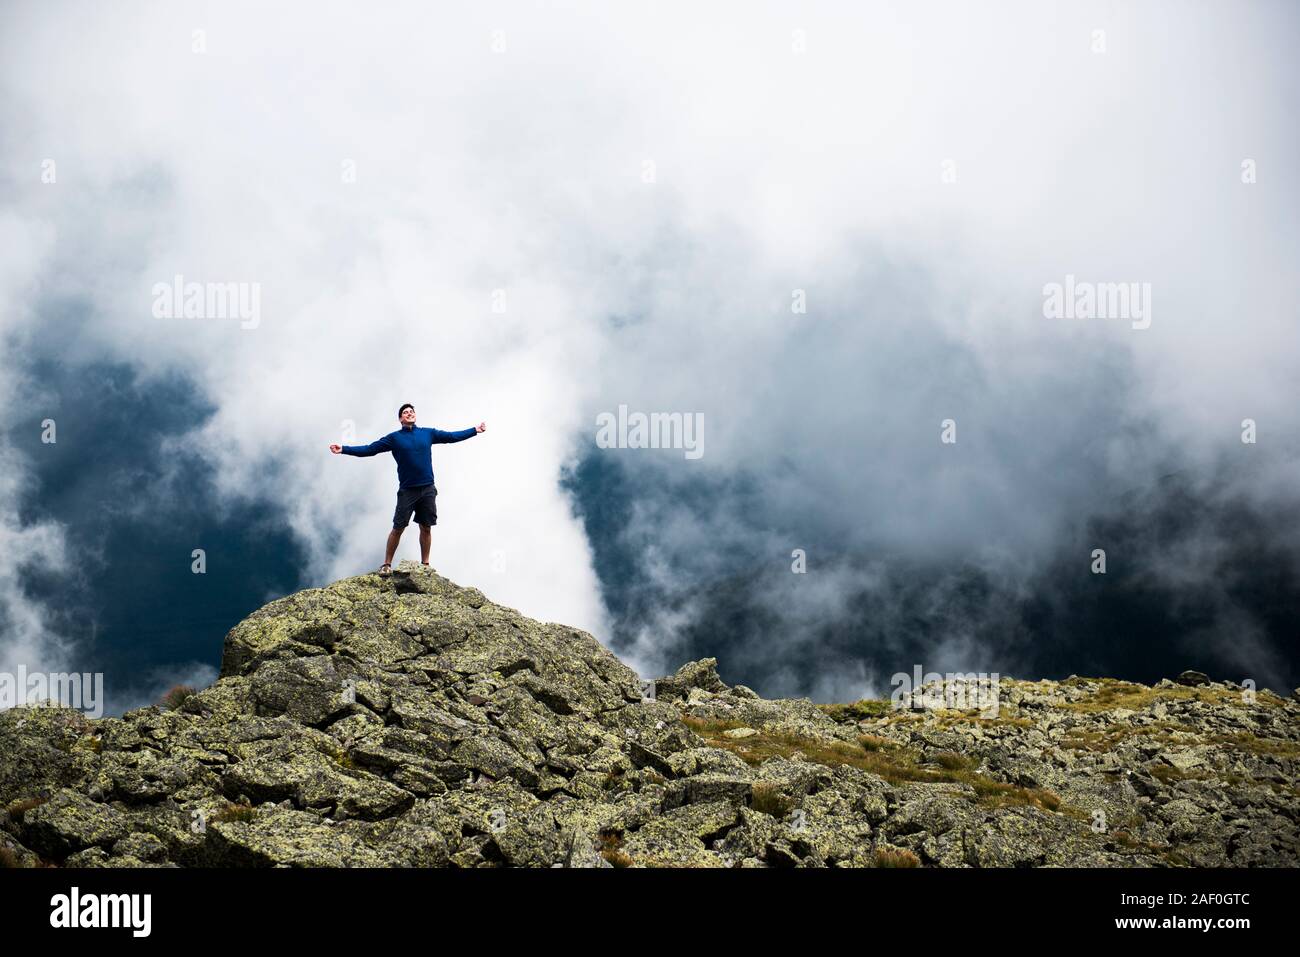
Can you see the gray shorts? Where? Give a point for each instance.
(420, 499)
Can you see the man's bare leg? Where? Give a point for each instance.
(394, 537)
(425, 540)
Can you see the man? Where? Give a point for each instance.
(416, 491)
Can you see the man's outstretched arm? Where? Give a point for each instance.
(438, 437)
(374, 448)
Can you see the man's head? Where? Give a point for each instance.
(406, 414)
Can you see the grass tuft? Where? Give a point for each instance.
(611, 849)
(20, 806)
(173, 699)
(236, 812)
(896, 857)
(766, 797)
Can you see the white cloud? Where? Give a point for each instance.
(27, 637)
(521, 171)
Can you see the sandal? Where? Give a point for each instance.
(385, 569)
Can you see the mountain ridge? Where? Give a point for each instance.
(409, 721)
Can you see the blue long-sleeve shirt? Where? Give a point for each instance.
(410, 447)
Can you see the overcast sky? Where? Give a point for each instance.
(529, 214)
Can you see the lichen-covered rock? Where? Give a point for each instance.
(39, 751)
(69, 821)
(409, 722)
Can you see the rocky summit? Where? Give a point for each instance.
(410, 722)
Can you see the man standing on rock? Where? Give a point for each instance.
(416, 492)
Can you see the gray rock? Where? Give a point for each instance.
(410, 722)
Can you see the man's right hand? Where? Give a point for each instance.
(336, 449)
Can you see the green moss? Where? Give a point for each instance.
(1112, 693)
(895, 764)
(1256, 745)
(865, 708)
